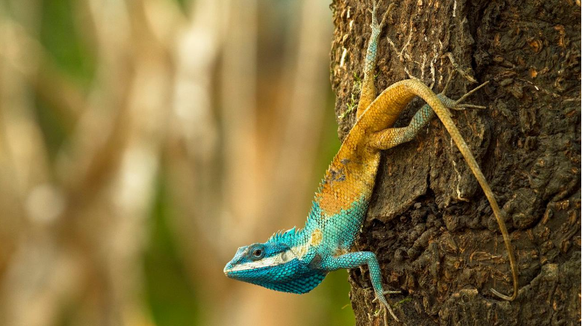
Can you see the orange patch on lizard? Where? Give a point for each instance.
(316, 237)
(347, 179)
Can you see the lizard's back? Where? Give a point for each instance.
(342, 199)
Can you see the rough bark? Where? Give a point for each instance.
(429, 222)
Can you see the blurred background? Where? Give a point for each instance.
(143, 141)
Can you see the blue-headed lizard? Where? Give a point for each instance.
(297, 260)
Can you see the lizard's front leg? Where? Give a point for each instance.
(355, 259)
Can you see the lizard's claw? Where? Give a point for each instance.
(462, 107)
(469, 93)
(387, 306)
(375, 25)
(392, 292)
(387, 292)
(456, 105)
(385, 303)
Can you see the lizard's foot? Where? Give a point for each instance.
(387, 306)
(469, 93)
(375, 26)
(388, 292)
(457, 105)
(385, 303)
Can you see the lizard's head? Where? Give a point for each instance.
(274, 265)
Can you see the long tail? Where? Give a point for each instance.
(385, 110)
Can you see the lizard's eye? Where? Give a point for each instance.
(258, 253)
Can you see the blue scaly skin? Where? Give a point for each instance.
(297, 260)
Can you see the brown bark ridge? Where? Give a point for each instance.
(429, 222)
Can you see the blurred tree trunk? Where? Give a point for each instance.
(429, 222)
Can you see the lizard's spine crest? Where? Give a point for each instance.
(284, 236)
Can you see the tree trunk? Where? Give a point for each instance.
(429, 222)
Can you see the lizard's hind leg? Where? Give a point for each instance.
(368, 93)
(393, 137)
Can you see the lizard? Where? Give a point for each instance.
(297, 260)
